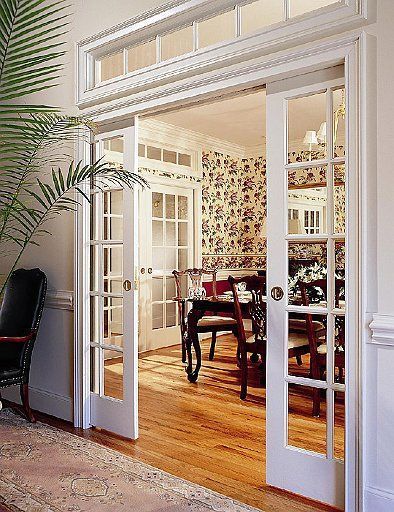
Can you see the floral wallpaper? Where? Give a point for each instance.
(234, 203)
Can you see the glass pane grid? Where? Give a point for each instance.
(302, 234)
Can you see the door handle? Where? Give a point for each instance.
(126, 285)
(277, 293)
(142, 270)
(150, 270)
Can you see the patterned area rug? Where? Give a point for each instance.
(44, 469)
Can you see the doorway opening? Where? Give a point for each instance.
(207, 208)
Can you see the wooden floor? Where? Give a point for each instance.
(204, 433)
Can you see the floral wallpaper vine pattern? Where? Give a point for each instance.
(234, 203)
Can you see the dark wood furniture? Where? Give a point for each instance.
(213, 323)
(20, 316)
(255, 344)
(317, 338)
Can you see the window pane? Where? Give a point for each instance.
(113, 202)
(306, 118)
(157, 204)
(177, 43)
(170, 314)
(141, 150)
(170, 234)
(303, 402)
(141, 56)
(307, 201)
(113, 268)
(113, 321)
(339, 120)
(298, 7)
(260, 14)
(157, 289)
(339, 425)
(182, 208)
(157, 233)
(307, 345)
(170, 288)
(157, 316)
(113, 228)
(184, 159)
(339, 198)
(340, 261)
(111, 66)
(113, 152)
(169, 156)
(170, 206)
(113, 374)
(307, 262)
(182, 233)
(339, 349)
(216, 29)
(153, 153)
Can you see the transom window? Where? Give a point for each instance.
(241, 19)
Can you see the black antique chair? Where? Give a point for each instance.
(20, 316)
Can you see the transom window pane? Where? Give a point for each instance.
(177, 43)
(260, 14)
(141, 56)
(111, 66)
(298, 7)
(217, 29)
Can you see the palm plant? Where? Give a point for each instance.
(37, 179)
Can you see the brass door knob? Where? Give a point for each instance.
(150, 270)
(126, 285)
(142, 270)
(277, 293)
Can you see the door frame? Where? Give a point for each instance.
(356, 50)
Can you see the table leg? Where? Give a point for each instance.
(192, 339)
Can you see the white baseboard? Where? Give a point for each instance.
(378, 500)
(49, 403)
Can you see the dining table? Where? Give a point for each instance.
(199, 307)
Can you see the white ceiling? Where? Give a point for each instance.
(241, 120)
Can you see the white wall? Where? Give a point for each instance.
(379, 355)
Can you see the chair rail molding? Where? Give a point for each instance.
(382, 327)
(60, 299)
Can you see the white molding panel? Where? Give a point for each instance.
(382, 327)
(60, 299)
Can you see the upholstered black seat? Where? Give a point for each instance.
(20, 316)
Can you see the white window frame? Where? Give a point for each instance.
(179, 13)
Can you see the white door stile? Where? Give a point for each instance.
(109, 413)
(314, 475)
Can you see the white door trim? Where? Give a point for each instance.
(357, 50)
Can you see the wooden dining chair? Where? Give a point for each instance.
(317, 338)
(256, 343)
(213, 323)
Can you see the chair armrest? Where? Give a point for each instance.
(17, 339)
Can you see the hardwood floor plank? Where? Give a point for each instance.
(203, 432)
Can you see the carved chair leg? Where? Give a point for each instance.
(316, 402)
(213, 344)
(24, 391)
(244, 372)
(183, 341)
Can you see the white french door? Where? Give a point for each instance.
(306, 411)
(166, 244)
(113, 294)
